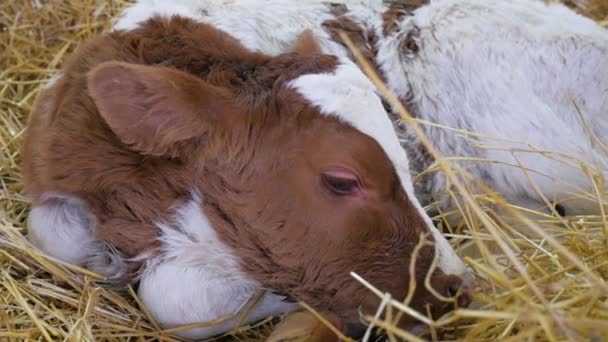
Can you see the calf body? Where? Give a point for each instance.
(528, 73)
(172, 155)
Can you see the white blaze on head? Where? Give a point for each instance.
(349, 95)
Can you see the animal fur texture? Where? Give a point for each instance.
(529, 73)
(209, 172)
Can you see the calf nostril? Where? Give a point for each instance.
(452, 285)
(453, 289)
(465, 298)
(461, 290)
(466, 293)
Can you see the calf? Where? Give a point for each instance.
(171, 155)
(523, 70)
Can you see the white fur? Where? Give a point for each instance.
(509, 69)
(197, 278)
(63, 229)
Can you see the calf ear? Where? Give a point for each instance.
(361, 38)
(307, 44)
(153, 109)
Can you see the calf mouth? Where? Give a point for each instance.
(357, 329)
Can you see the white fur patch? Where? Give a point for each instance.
(197, 278)
(350, 96)
(510, 69)
(62, 229)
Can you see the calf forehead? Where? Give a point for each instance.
(348, 95)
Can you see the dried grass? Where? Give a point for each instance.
(596, 9)
(541, 277)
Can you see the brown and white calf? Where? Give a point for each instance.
(531, 73)
(171, 155)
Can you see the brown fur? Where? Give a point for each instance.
(307, 44)
(396, 11)
(141, 118)
(363, 40)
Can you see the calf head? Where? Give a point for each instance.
(300, 171)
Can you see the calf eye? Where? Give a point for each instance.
(341, 182)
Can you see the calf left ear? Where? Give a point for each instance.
(153, 109)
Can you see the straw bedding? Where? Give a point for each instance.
(547, 285)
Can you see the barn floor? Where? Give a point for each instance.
(560, 294)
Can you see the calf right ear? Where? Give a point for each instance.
(153, 109)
